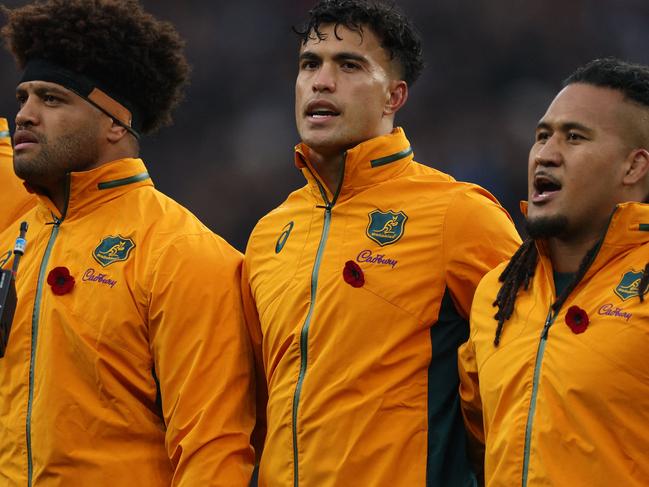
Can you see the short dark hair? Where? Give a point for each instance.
(395, 31)
(630, 79)
(111, 41)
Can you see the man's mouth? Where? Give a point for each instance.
(321, 110)
(545, 187)
(322, 114)
(24, 139)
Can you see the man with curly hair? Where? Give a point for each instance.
(128, 362)
(555, 376)
(14, 198)
(358, 287)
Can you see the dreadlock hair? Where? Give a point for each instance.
(394, 30)
(520, 271)
(112, 41)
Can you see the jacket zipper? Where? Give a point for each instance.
(535, 387)
(304, 333)
(32, 359)
(35, 323)
(537, 367)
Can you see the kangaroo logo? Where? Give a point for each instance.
(386, 227)
(629, 286)
(113, 249)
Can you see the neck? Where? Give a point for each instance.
(566, 256)
(329, 169)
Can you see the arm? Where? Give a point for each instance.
(254, 330)
(472, 408)
(203, 362)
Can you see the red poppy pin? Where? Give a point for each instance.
(353, 274)
(577, 319)
(60, 280)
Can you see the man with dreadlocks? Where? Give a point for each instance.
(360, 283)
(555, 376)
(127, 363)
(14, 198)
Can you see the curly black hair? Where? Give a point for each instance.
(114, 42)
(632, 80)
(397, 34)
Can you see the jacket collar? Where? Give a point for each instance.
(367, 164)
(628, 228)
(87, 190)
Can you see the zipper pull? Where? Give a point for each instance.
(546, 327)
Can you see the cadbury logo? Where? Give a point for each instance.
(101, 278)
(610, 310)
(370, 258)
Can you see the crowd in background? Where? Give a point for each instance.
(492, 66)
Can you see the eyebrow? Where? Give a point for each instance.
(44, 90)
(564, 127)
(341, 56)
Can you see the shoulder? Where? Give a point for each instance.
(170, 228)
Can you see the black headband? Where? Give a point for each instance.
(117, 108)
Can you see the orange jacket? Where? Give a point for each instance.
(140, 375)
(362, 381)
(14, 198)
(561, 408)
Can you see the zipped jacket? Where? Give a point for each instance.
(138, 374)
(358, 301)
(14, 198)
(554, 407)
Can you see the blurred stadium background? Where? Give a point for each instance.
(492, 68)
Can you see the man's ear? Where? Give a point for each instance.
(116, 132)
(637, 166)
(397, 97)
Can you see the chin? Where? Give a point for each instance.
(546, 226)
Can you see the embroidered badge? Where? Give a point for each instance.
(4, 258)
(629, 286)
(281, 241)
(386, 227)
(113, 249)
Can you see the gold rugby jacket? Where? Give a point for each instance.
(14, 198)
(140, 375)
(361, 363)
(561, 408)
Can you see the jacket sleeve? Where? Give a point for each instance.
(472, 408)
(254, 330)
(478, 235)
(203, 361)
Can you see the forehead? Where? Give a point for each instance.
(593, 106)
(341, 38)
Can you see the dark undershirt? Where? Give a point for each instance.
(562, 280)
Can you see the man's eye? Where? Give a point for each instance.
(349, 66)
(574, 136)
(542, 136)
(50, 99)
(308, 65)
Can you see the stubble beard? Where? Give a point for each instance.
(75, 151)
(547, 226)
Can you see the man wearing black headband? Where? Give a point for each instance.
(127, 362)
